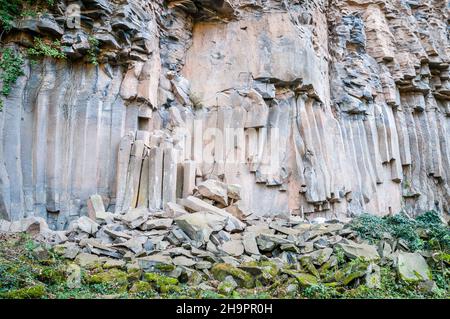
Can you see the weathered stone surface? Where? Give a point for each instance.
(175, 210)
(321, 256)
(214, 190)
(183, 261)
(87, 225)
(354, 250)
(87, 260)
(249, 242)
(160, 223)
(243, 278)
(412, 267)
(95, 206)
(196, 204)
(238, 210)
(234, 191)
(73, 276)
(334, 110)
(156, 262)
(199, 226)
(233, 248)
(135, 217)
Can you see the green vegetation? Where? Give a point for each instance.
(10, 10)
(425, 232)
(93, 50)
(31, 270)
(11, 67)
(46, 48)
(10, 62)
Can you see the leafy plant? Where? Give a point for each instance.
(92, 52)
(369, 226)
(10, 10)
(319, 291)
(46, 48)
(11, 66)
(401, 226)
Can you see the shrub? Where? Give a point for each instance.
(92, 52)
(10, 10)
(400, 226)
(46, 48)
(11, 66)
(319, 291)
(369, 226)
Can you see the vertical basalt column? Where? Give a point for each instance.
(169, 176)
(123, 159)
(134, 174)
(155, 178)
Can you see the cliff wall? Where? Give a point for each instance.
(316, 108)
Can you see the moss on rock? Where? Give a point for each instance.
(113, 278)
(141, 287)
(243, 278)
(34, 292)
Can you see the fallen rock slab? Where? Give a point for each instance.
(199, 226)
(412, 267)
(197, 205)
(354, 250)
(135, 217)
(233, 247)
(87, 225)
(214, 190)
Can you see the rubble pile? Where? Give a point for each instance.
(209, 241)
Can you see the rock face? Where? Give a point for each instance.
(316, 108)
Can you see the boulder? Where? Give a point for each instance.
(238, 210)
(351, 271)
(214, 190)
(95, 206)
(135, 217)
(234, 191)
(73, 280)
(199, 226)
(87, 260)
(31, 225)
(249, 242)
(196, 204)
(233, 247)
(87, 225)
(174, 210)
(183, 261)
(412, 267)
(320, 256)
(157, 262)
(135, 244)
(160, 223)
(302, 278)
(222, 270)
(354, 250)
(113, 263)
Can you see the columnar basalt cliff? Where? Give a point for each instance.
(316, 108)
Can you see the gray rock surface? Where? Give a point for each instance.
(336, 109)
